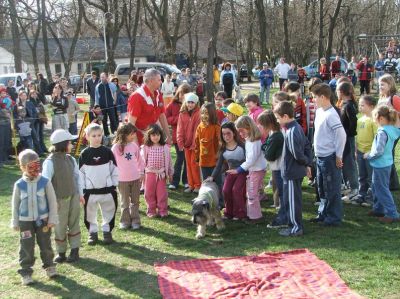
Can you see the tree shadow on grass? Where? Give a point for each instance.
(68, 288)
(135, 282)
(143, 254)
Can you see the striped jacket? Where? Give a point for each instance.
(296, 154)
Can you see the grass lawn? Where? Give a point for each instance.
(366, 254)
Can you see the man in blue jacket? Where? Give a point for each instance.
(106, 98)
(266, 78)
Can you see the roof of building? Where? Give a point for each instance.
(92, 49)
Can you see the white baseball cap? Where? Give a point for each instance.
(61, 135)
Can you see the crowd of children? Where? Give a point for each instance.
(313, 137)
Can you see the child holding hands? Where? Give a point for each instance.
(254, 163)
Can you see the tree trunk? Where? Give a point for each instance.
(235, 38)
(212, 46)
(132, 31)
(249, 52)
(15, 36)
(286, 45)
(332, 25)
(321, 29)
(262, 22)
(45, 41)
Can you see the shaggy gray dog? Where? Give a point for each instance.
(205, 209)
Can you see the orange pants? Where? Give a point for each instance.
(192, 169)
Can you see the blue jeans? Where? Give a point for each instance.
(364, 175)
(329, 179)
(73, 128)
(282, 216)
(27, 141)
(264, 93)
(39, 129)
(178, 174)
(383, 199)
(350, 172)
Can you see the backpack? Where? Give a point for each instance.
(227, 79)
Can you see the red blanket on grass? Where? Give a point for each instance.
(292, 274)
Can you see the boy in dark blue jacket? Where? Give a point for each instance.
(296, 161)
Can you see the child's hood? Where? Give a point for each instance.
(392, 131)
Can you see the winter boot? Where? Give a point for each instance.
(73, 256)
(93, 238)
(60, 258)
(107, 238)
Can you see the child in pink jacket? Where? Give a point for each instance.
(130, 167)
(158, 167)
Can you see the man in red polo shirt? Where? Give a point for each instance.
(146, 105)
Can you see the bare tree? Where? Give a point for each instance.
(212, 46)
(43, 20)
(133, 8)
(171, 32)
(31, 26)
(111, 13)
(332, 25)
(15, 36)
(76, 11)
(262, 22)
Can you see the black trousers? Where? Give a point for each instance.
(109, 113)
(364, 86)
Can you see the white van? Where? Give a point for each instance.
(16, 77)
(123, 70)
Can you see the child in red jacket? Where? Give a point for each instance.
(300, 113)
(172, 114)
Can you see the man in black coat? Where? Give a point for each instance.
(91, 88)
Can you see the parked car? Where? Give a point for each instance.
(76, 83)
(244, 73)
(123, 70)
(313, 67)
(17, 77)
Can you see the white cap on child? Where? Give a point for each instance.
(61, 135)
(191, 97)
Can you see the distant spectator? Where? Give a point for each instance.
(335, 66)
(91, 87)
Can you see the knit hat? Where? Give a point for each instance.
(191, 97)
(61, 135)
(3, 89)
(233, 108)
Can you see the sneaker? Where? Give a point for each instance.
(188, 190)
(345, 190)
(196, 190)
(186, 186)
(124, 226)
(51, 272)
(288, 233)
(172, 187)
(27, 280)
(366, 204)
(349, 197)
(107, 238)
(276, 224)
(317, 219)
(135, 226)
(93, 238)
